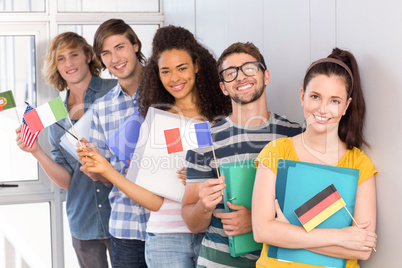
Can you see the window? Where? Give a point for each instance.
(25, 235)
(26, 27)
(22, 6)
(16, 74)
(19, 51)
(108, 6)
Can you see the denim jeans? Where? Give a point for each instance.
(128, 253)
(92, 253)
(177, 250)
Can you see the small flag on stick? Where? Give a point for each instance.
(123, 141)
(26, 134)
(319, 208)
(188, 138)
(46, 114)
(192, 137)
(7, 100)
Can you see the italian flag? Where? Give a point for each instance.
(46, 115)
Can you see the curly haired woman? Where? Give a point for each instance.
(181, 78)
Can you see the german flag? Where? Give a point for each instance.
(319, 208)
(6, 100)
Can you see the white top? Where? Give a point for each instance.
(167, 219)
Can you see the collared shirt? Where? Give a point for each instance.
(87, 204)
(127, 219)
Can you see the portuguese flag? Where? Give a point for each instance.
(46, 115)
(7, 100)
(319, 208)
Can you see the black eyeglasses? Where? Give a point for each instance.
(248, 68)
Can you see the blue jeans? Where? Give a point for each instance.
(178, 250)
(92, 253)
(127, 253)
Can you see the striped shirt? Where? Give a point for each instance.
(127, 219)
(167, 219)
(232, 143)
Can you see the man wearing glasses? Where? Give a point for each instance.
(240, 136)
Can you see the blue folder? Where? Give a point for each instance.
(124, 140)
(297, 182)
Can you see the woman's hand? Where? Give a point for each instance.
(358, 238)
(129, 163)
(93, 162)
(85, 145)
(182, 175)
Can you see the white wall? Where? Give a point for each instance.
(292, 34)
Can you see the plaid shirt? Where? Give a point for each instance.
(127, 219)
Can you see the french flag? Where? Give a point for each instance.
(188, 138)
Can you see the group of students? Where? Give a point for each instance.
(182, 77)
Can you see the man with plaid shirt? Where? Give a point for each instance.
(119, 49)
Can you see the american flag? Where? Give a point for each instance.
(26, 135)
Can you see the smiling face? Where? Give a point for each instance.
(244, 89)
(72, 65)
(325, 101)
(118, 55)
(177, 73)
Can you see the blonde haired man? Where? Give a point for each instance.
(70, 65)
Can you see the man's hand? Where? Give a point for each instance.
(210, 193)
(23, 146)
(237, 222)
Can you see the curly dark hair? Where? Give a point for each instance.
(212, 102)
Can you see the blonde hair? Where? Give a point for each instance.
(67, 40)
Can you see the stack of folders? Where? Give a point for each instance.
(297, 182)
(239, 180)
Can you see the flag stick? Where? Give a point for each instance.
(216, 164)
(76, 134)
(355, 222)
(67, 131)
(352, 217)
(78, 137)
(18, 116)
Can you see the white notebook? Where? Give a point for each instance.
(83, 127)
(151, 166)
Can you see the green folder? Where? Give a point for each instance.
(239, 180)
